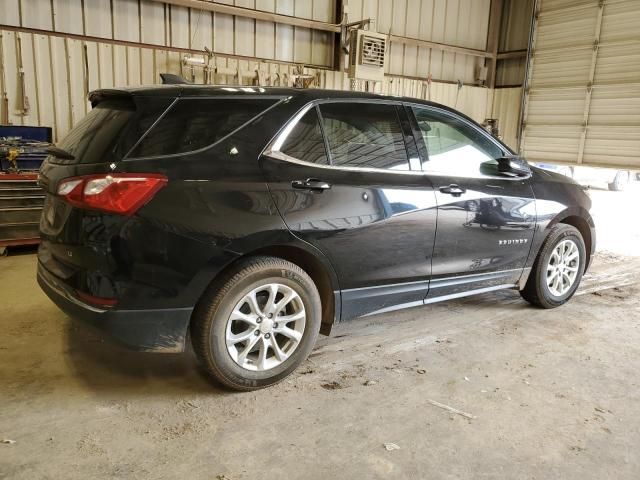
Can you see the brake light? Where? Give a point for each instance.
(121, 193)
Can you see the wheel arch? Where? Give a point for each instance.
(320, 272)
(580, 219)
(312, 262)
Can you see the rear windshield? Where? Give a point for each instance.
(111, 129)
(92, 139)
(194, 123)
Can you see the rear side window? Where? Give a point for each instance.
(195, 123)
(364, 135)
(305, 141)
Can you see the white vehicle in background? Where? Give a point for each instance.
(615, 180)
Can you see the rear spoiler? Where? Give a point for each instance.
(98, 96)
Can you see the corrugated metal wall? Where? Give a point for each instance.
(157, 24)
(584, 100)
(506, 108)
(516, 22)
(462, 23)
(135, 40)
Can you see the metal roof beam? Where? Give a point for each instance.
(255, 14)
(317, 25)
(512, 54)
(440, 46)
(493, 41)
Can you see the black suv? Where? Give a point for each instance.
(255, 218)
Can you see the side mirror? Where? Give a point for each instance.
(514, 166)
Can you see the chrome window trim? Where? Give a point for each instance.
(273, 148)
(280, 137)
(287, 158)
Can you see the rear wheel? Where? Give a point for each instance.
(619, 182)
(557, 271)
(255, 326)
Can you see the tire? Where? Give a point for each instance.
(619, 182)
(537, 291)
(212, 325)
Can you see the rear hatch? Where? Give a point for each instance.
(75, 242)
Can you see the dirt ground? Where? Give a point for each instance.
(553, 394)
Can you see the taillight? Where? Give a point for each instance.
(121, 193)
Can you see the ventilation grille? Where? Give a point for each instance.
(372, 51)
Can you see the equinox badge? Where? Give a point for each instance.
(517, 241)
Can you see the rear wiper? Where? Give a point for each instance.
(59, 153)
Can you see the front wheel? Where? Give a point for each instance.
(257, 324)
(556, 273)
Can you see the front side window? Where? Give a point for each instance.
(305, 141)
(195, 123)
(364, 135)
(454, 147)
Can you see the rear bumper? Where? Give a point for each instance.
(162, 330)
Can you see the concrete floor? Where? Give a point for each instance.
(555, 394)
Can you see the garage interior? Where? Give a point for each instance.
(482, 387)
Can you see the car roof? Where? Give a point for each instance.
(305, 94)
(185, 90)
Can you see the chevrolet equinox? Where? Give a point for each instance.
(248, 220)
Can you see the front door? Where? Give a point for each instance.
(341, 178)
(485, 220)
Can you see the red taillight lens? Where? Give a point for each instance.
(121, 193)
(99, 301)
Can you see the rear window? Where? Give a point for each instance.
(93, 139)
(109, 131)
(305, 141)
(364, 135)
(195, 123)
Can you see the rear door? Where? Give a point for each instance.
(486, 220)
(341, 178)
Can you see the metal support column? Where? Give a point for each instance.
(592, 73)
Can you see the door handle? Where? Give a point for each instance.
(453, 189)
(311, 184)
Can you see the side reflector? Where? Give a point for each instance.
(98, 301)
(120, 193)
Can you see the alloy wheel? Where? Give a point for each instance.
(562, 269)
(265, 327)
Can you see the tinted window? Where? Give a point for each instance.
(305, 141)
(148, 111)
(364, 135)
(93, 139)
(454, 147)
(194, 123)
